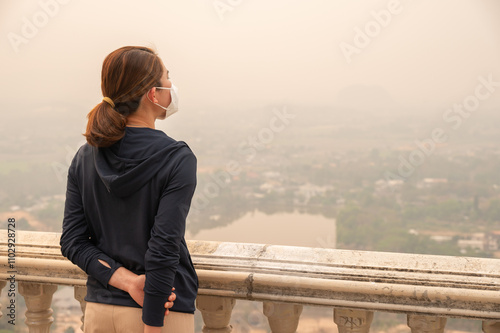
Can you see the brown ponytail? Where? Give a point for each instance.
(105, 126)
(127, 74)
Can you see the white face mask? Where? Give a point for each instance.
(173, 107)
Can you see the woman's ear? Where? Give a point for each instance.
(152, 95)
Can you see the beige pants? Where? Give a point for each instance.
(106, 318)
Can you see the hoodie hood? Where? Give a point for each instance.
(124, 176)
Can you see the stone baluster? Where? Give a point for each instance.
(490, 326)
(282, 317)
(38, 298)
(216, 313)
(426, 324)
(352, 321)
(2, 285)
(80, 293)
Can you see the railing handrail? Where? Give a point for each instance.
(384, 281)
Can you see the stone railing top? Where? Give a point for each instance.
(398, 282)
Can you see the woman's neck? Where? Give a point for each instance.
(140, 120)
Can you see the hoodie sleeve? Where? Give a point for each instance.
(162, 256)
(76, 243)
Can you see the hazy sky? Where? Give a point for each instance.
(232, 54)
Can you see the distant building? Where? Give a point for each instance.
(441, 238)
(479, 241)
(383, 184)
(429, 182)
(308, 190)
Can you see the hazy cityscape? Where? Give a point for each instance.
(342, 170)
(327, 183)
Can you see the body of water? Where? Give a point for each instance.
(294, 229)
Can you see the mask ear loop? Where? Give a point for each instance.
(164, 108)
(156, 88)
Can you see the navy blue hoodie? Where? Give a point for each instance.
(127, 205)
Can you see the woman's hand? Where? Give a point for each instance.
(170, 302)
(136, 291)
(134, 284)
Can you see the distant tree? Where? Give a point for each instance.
(492, 214)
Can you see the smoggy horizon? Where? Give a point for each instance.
(396, 55)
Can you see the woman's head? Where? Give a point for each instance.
(127, 75)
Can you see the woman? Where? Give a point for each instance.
(128, 194)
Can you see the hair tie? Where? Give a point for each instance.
(109, 101)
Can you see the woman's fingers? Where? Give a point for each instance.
(170, 302)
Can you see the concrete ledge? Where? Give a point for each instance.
(378, 281)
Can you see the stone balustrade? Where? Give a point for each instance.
(427, 288)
